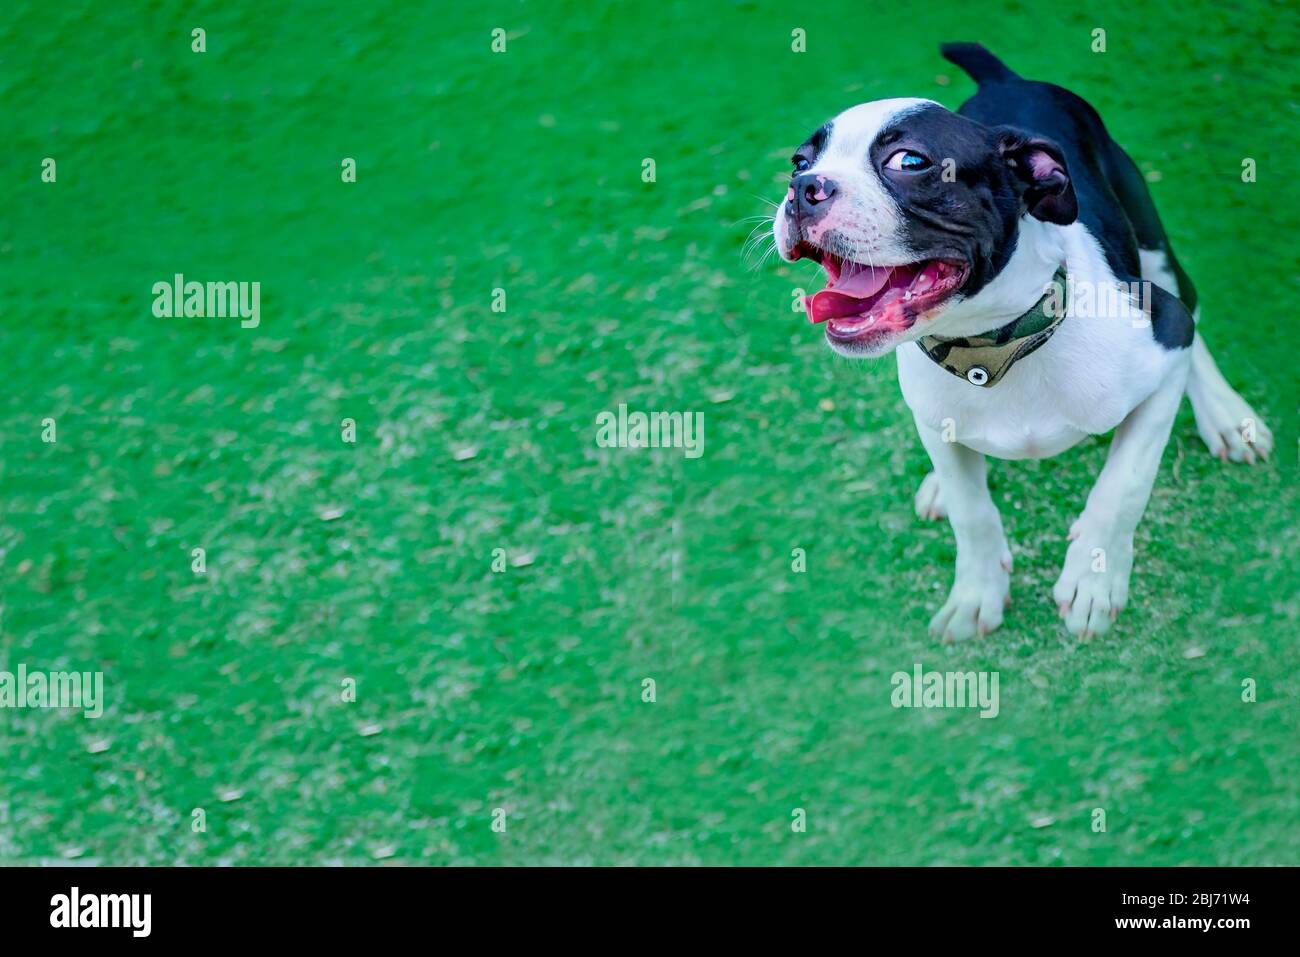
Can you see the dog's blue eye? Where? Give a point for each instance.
(800, 164)
(907, 161)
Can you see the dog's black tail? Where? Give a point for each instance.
(982, 65)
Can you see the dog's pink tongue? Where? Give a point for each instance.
(847, 296)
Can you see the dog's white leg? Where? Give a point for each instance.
(929, 502)
(1093, 586)
(980, 588)
(1226, 422)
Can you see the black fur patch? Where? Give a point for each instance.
(1114, 203)
(1171, 323)
(966, 205)
(813, 146)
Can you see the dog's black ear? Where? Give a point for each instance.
(1038, 166)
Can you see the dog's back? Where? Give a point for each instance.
(1112, 195)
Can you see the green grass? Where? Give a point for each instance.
(476, 431)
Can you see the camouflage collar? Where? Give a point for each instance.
(984, 360)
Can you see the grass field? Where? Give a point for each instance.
(372, 561)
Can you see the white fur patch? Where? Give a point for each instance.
(1083, 381)
(1155, 268)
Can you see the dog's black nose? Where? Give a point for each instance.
(812, 193)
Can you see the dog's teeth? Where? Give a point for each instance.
(907, 296)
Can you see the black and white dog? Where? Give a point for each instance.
(1011, 258)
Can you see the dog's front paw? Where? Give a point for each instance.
(1093, 587)
(929, 499)
(974, 606)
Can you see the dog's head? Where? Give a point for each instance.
(912, 210)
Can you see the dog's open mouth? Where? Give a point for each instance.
(864, 303)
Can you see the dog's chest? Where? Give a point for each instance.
(1082, 382)
(991, 422)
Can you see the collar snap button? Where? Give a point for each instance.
(977, 375)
